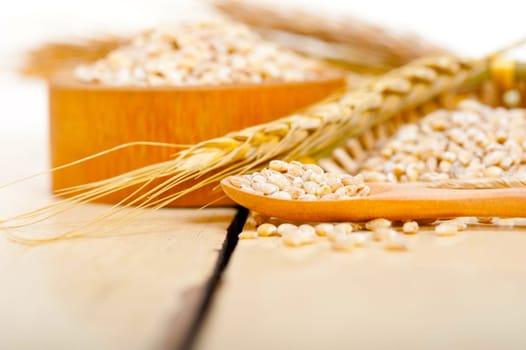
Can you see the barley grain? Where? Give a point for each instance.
(446, 229)
(360, 239)
(302, 182)
(250, 234)
(292, 238)
(334, 235)
(396, 243)
(343, 228)
(377, 224)
(266, 229)
(410, 227)
(284, 228)
(485, 220)
(343, 243)
(308, 229)
(281, 195)
(308, 197)
(382, 234)
(472, 141)
(201, 53)
(324, 229)
(298, 237)
(279, 165)
(504, 222)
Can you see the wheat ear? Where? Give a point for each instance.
(482, 183)
(356, 41)
(310, 132)
(45, 60)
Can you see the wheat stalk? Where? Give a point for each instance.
(348, 38)
(43, 61)
(347, 42)
(483, 183)
(310, 132)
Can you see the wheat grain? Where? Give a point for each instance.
(267, 229)
(472, 146)
(201, 53)
(249, 234)
(296, 180)
(324, 229)
(396, 243)
(343, 227)
(378, 224)
(446, 229)
(410, 227)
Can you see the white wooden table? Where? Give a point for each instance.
(138, 289)
(143, 291)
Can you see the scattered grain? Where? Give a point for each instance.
(201, 53)
(381, 234)
(298, 237)
(344, 227)
(397, 243)
(343, 243)
(324, 229)
(377, 224)
(249, 234)
(410, 227)
(485, 220)
(446, 229)
(504, 222)
(360, 239)
(292, 238)
(284, 228)
(266, 229)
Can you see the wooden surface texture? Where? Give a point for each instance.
(462, 292)
(133, 290)
(139, 287)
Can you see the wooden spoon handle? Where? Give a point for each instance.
(420, 202)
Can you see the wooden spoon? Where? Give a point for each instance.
(390, 201)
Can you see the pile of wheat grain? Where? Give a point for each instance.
(201, 53)
(296, 180)
(473, 141)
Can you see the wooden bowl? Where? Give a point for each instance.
(88, 118)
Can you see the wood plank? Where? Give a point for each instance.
(462, 292)
(128, 291)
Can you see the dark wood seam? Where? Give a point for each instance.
(187, 340)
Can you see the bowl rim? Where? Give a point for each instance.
(66, 80)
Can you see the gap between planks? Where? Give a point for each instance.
(182, 339)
